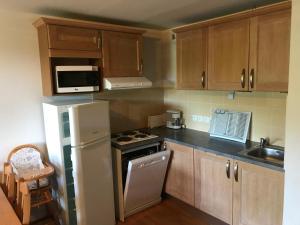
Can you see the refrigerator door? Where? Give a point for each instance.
(144, 182)
(92, 172)
(89, 122)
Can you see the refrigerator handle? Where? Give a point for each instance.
(84, 145)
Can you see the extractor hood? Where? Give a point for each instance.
(117, 83)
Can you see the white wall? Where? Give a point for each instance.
(21, 118)
(20, 83)
(292, 156)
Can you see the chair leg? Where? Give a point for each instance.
(11, 188)
(19, 202)
(26, 208)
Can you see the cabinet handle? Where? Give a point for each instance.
(142, 66)
(228, 169)
(139, 59)
(102, 53)
(203, 79)
(251, 78)
(243, 78)
(236, 174)
(99, 42)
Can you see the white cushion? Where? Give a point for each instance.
(26, 161)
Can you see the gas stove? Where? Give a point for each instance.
(133, 136)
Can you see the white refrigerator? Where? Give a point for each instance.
(87, 125)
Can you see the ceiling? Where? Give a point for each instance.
(159, 14)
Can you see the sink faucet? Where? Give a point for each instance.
(263, 142)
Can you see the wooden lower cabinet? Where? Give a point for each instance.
(235, 192)
(258, 195)
(213, 185)
(180, 175)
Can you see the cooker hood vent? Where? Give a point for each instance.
(117, 83)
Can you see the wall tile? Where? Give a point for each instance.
(268, 109)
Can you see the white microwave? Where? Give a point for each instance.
(77, 79)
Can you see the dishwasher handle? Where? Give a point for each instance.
(151, 162)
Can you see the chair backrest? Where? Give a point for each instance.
(25, 158)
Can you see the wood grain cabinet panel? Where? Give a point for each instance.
(269, 51)
(122, 54)
(213, 185)
(258, 195)
(180, 175)
(73, 38)
(192, 59)
(228, 55)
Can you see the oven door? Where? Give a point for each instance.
(144, 182)
(77, 81)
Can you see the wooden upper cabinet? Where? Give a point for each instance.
(269, 51)
(258, 195)
(213, 185)
(180, 175)
(73, 38)
(192, 59)
(122, 54)
(228, 55)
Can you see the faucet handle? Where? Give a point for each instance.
(264, 142)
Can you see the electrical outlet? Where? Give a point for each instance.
(200, 118)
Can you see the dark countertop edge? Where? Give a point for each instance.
(232, 156)
(161, 136)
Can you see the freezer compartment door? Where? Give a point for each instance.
(89, 122)
(144, 182)
(93, 183)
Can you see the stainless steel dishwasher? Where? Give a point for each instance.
(143, 177)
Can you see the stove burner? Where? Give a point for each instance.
(145, 132)
(115, 136)
(124, 139)
(140, 136)
(127, 133)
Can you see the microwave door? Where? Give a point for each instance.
(77, 81)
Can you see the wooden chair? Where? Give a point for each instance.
(8, 183)
(26, 180)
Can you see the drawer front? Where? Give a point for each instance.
(70, 38)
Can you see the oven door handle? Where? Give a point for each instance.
(156, 144)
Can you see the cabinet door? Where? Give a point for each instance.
(269, 51)
(213, 185)
(122, 54)
(228, 54)
(73, 38)
(191, 59)
(180, 175)
(258, 195)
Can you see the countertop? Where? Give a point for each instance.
(202, 141)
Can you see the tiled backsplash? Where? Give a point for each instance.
(268, 110)
(129, 109)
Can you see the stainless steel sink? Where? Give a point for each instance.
(267, 154)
